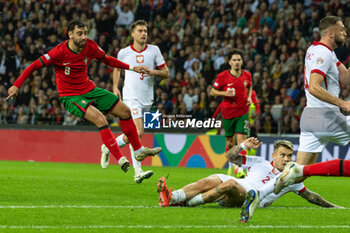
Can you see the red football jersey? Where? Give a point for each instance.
(235, 106)
(71, 67)
(246, 78)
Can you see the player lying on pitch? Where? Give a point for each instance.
(229, 191)
(292, 175)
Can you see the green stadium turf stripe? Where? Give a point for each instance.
(141, 207)
(180, 226)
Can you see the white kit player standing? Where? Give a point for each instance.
(322, 120)
(138, 89)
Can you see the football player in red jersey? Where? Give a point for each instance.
(79, 94)
(235, 86)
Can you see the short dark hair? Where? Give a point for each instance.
(137, 23)
(235, 52)
(327, 22)
(76, 22)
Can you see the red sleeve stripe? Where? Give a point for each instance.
(302, 190)
(338, 63)
(324, 76)
(161, 66)
(244, 159)
(319, 72)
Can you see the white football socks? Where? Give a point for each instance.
(120, 141)
(177, 196)
(139, 151)
(197, 200)
(136, 164)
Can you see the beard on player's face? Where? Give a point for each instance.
(237, 67)
(79, 43)
(339, 41)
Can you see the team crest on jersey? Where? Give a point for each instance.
(83, 102)
(245, 83)
(139, 59)
(319, 61)
(135, 111)
(86, 59)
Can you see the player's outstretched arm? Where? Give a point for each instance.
(233, 154)
(13, 90)
(114, 62)
(316, 199)
(163, 72)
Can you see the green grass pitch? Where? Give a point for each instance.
(62, 197)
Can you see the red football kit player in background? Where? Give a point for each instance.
(234, 85)
(71, 60)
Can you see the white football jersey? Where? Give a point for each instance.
(322, 60)
(259, 172)
(136, 86)
(296, 188)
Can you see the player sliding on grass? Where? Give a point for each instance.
(256, 196)
(229, 191)
(79, 94)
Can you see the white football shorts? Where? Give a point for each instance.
(225, 178)
(137, 109)
(317, 130)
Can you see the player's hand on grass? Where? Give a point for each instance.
(13, 92)
(252, 143)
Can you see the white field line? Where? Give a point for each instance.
(181, 227)
(137, 206)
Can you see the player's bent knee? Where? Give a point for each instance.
(124, 113)
(229, 185)
(99, 121)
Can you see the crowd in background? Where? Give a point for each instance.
(194, 36)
